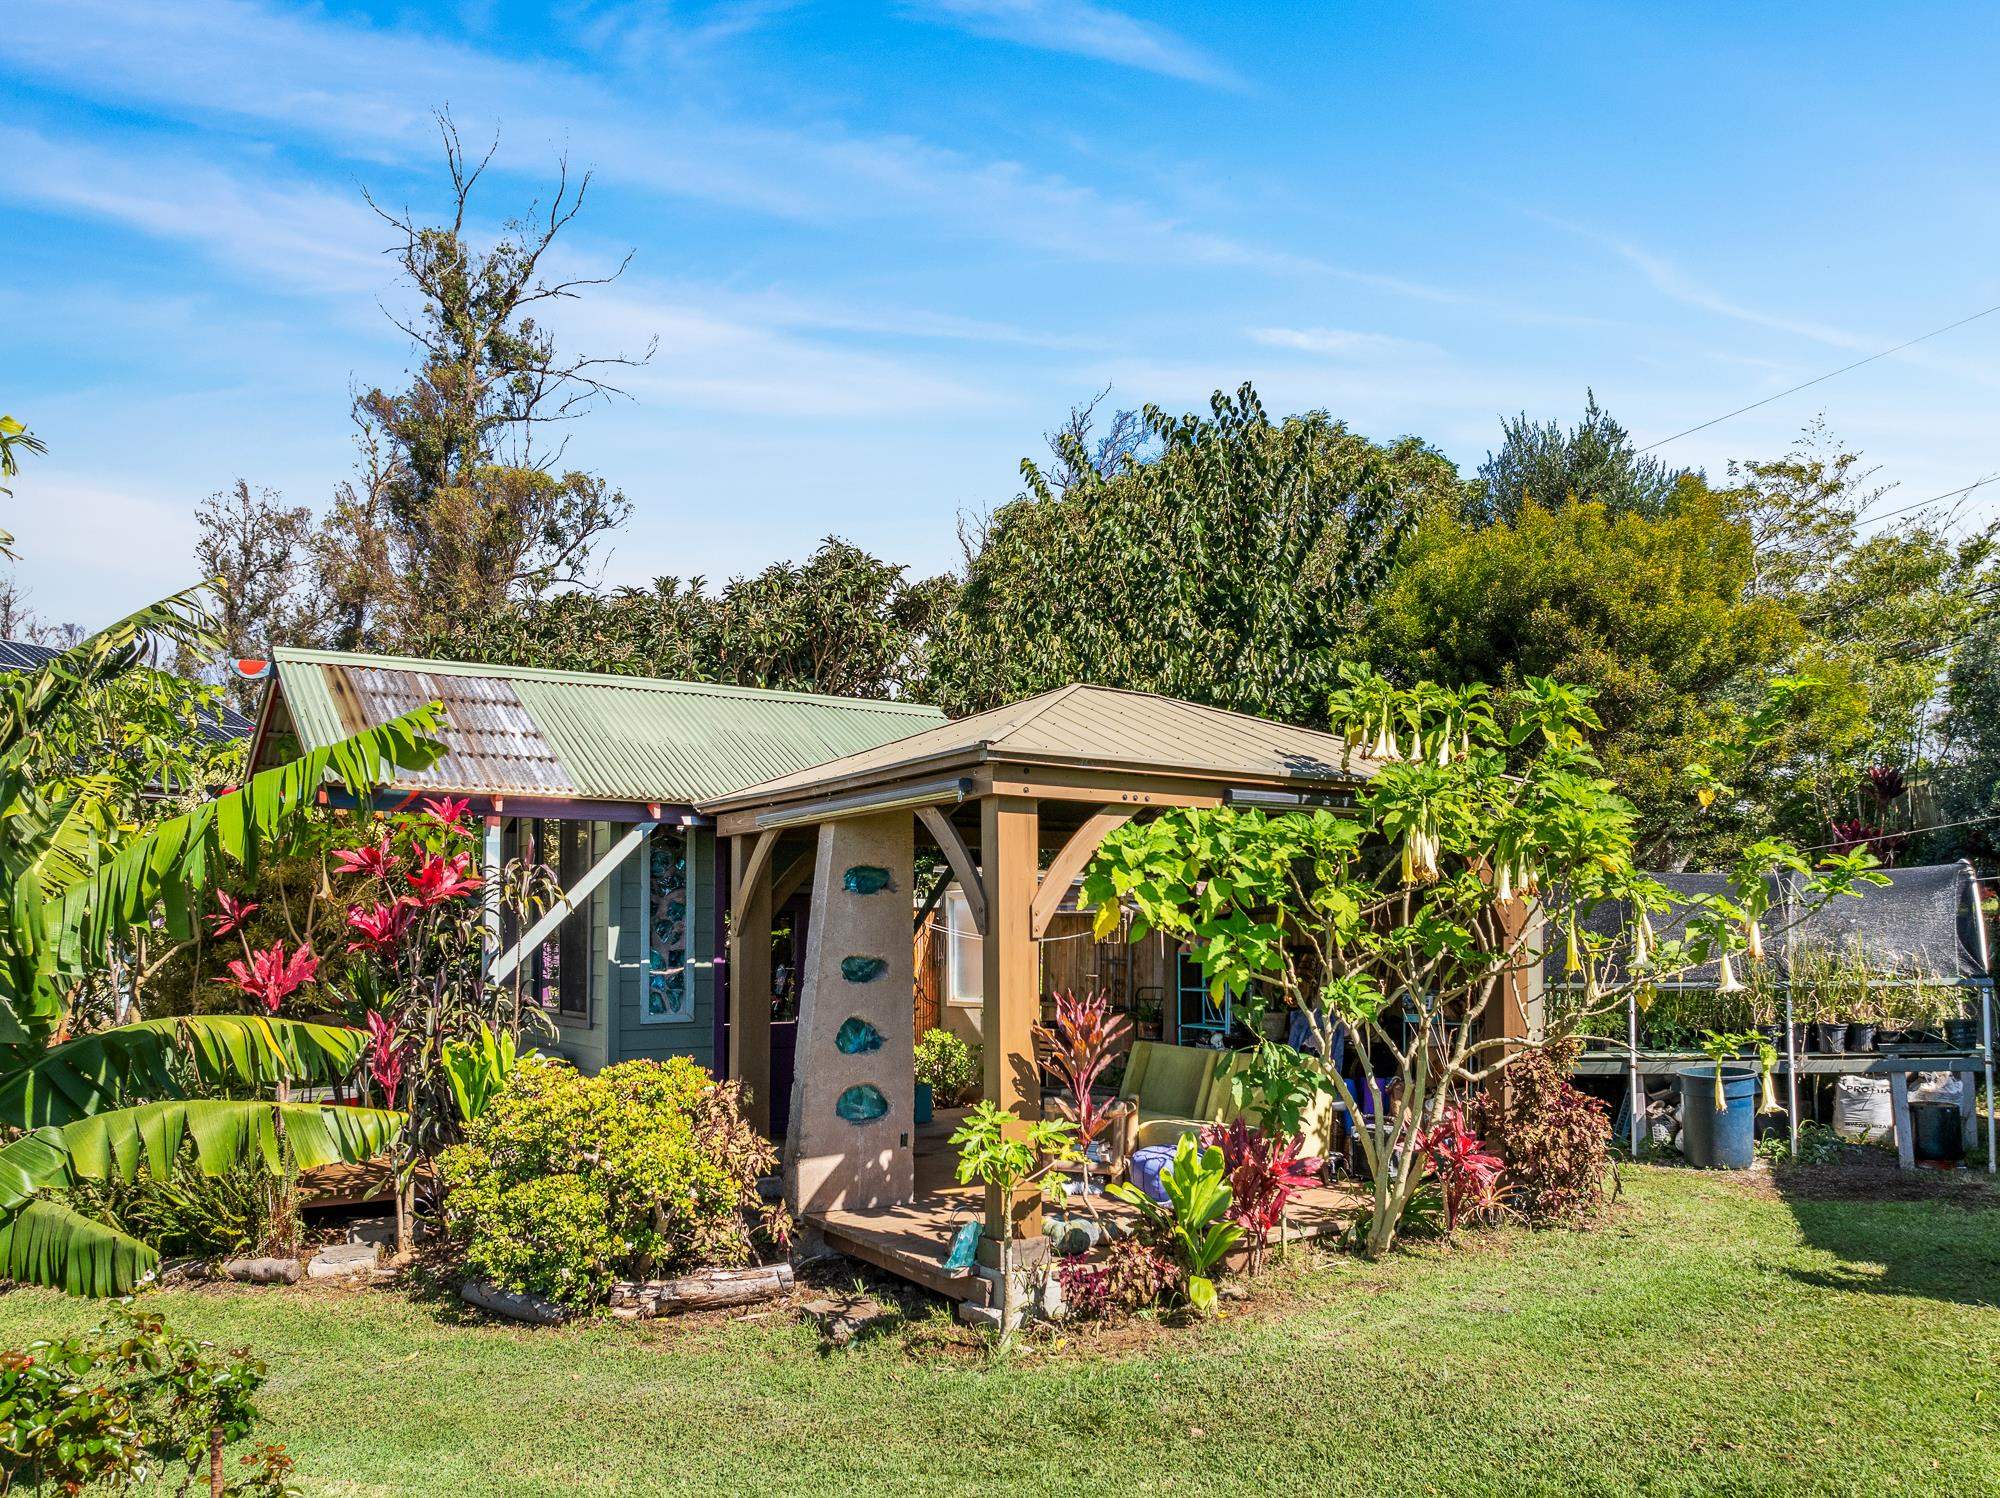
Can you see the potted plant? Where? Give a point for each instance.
(1146, 1017)
(947, 1069)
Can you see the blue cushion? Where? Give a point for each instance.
(1147, 1163)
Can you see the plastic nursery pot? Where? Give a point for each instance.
(1719, 1138)
(1860, 1038)
(920, 1114)
(1936, 1134)
(1830, 1040)
(1961, 1034)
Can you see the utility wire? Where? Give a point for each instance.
(1934, 499)
(1818, 379)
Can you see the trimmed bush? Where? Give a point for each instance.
(567, 1183)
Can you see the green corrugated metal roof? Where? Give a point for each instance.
(578, 735)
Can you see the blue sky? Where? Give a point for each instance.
(885, 246)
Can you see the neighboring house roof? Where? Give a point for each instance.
(572, 735)
(1089, 726)
(220, 727)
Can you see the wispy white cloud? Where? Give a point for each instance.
(1343, 343)
(293, 235)
(367, 91)
(1083, 30)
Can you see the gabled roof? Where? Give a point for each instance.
(1088, 726)
(221, 726)
(573, 735)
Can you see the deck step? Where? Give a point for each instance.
(962, 1286)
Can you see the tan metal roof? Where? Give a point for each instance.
(1085, 725)
(579, 736)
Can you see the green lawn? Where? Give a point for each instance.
(1713, 1335)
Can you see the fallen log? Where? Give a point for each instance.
(511, 1303)
(263, 1271)
(707, 1290)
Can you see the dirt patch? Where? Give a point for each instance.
(1971, 1190)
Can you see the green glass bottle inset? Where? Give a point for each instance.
(861, 1104)
(862, 969)
(856, 1037)
(866, 879)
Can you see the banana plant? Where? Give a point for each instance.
(73, 887)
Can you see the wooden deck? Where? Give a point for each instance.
(911, 1241)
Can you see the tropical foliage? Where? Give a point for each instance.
(79, 888)
(1486, 839)
(1193, 1225)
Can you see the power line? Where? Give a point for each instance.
(1818, 379)
(1934, 499)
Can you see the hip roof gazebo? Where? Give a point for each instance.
(1016, 800)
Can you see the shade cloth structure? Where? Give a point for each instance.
(1922, 926)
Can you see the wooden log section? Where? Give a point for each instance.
(709, 1290)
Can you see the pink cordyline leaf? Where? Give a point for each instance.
(1084, 1040)
(385, 1055)
(438, 878)
(1264, 1170)
(447, 812)
(372, 860)
(270, 977)
(381, 925)
(234, 913)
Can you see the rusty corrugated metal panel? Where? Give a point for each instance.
(1090, 725)
(571, 734)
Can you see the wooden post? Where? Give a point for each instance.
(750, 981)
(1009, 860)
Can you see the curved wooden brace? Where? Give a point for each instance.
(756, 863)
(1067, 864)
(960, 859)
(786, 884)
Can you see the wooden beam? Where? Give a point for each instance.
(960, 859)
(750, 977)
(554, 916)
(1008, 845)
(788, 881)
(1069, 861)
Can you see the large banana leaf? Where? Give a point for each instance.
(31, 698)
(44, 1241)
(30, 1165)
(225, 1133)
(105, 1069)
(48, 1242)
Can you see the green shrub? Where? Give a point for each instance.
(193, 1214)
(567, 1183)
(948, 1065)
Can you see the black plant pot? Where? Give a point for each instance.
(1961, 1034)
(1892, 1038)
(1830, 1040)
(1860, 1039)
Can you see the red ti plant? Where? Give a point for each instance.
(1086, 1037)
(270, 977)
(1264, 1170)
(1469, 1172)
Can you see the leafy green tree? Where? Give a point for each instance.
(1593, 462)
(1652, 615)
(1229, 563)
(842, 622)
(15, 439)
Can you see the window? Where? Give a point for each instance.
(557, 973)
(965, 974)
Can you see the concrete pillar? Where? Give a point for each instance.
(853, 1076)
